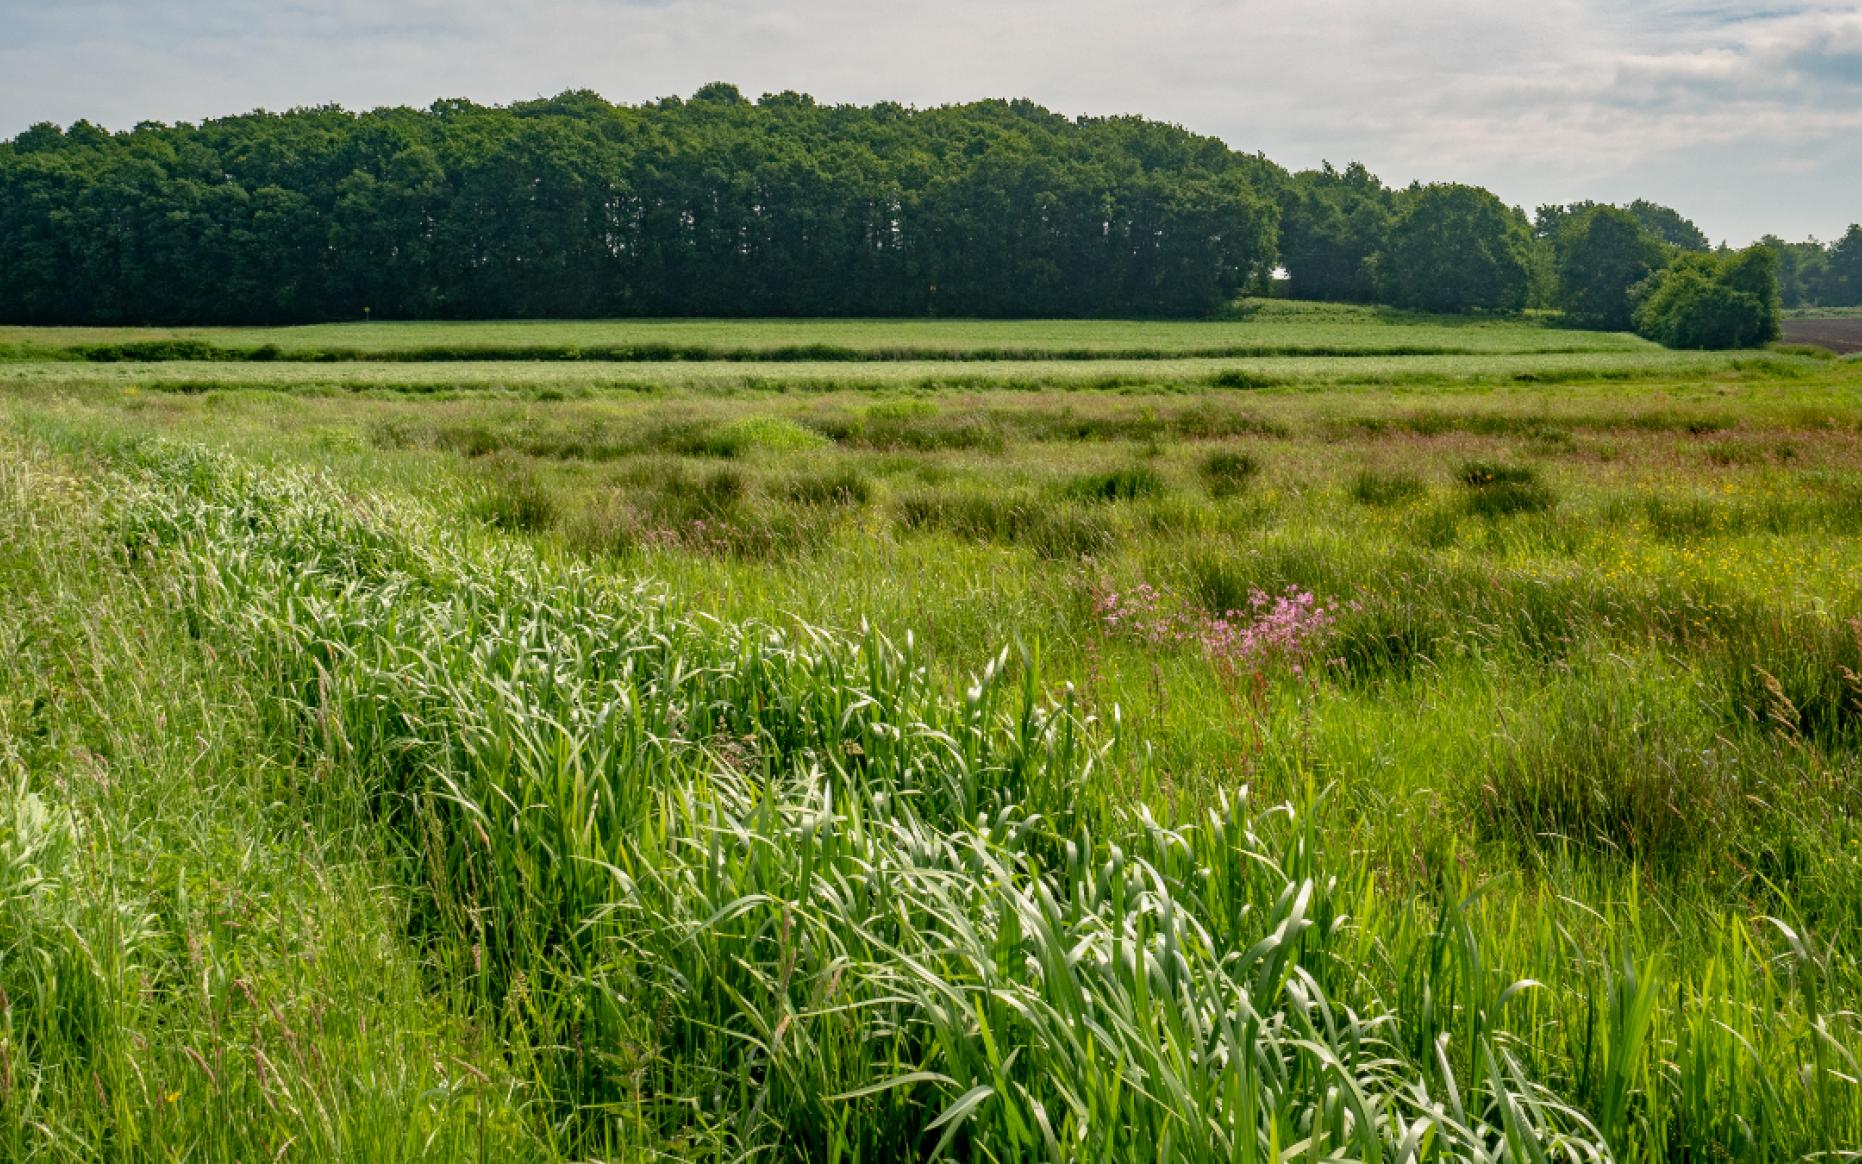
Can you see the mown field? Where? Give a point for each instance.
(1427, 757)
(1264, 327)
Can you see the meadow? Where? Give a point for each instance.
(1263, 327)
(1445, 756)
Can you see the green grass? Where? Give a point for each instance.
(1264, 327)
(623, 773)
(1418, 374)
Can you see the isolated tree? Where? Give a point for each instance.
(1454, 248)
(1601, 254)
(1712, 301)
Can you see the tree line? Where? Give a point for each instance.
(569, 207)
(717, 205)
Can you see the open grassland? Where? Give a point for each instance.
(1264, 327)
(559, 379)
(1282, 767)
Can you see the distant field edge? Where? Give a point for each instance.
(172, 350)
(1838, 333)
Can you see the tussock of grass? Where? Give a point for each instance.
(843, 486)
(514, 499)
(1495, 490)
(1375, 488)
(1126, 483)
(1046, 527)
(1228, 472)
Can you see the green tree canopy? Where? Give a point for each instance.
(1331, 223)
(1602, 254)
(1454, 248)
(1841, 282)
(1669, 226)
(572, 206)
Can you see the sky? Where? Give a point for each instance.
(1746, 117)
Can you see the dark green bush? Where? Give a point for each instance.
(154, 351)
(1242, 378)
(1712, 301)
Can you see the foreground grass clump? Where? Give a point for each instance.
(183, 971)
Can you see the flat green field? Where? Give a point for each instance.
(1265, 326)
(1374, 757)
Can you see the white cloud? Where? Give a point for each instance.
(1746, 116)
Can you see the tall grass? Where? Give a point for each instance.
(754, 890)
(725, 888)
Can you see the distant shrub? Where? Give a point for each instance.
(1124, 484)
(1228, 472)
(1711, 301)
(1372, 487)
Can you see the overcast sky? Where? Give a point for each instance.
(1746, 117)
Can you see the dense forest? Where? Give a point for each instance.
(716, 205)
(576, 207)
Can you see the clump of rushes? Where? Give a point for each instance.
(1243, 379)
(514, 498)
(1228, 472)
(1048, 527)
(845, 486)
(1481, 474)
(1128, 483)
(1377, 488)
(1502, 490)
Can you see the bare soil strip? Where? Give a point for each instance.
(1838, 335)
